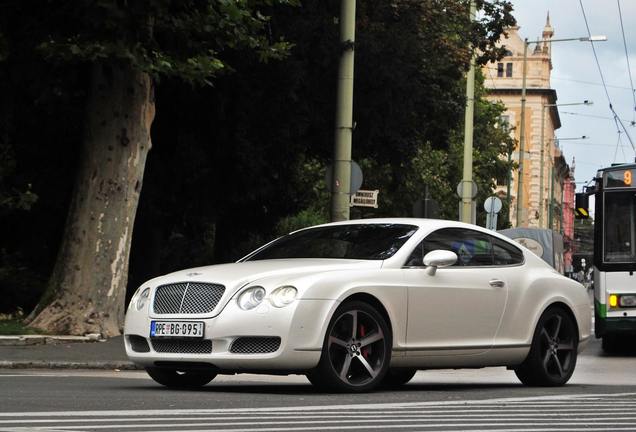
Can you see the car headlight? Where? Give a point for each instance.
(283, 296)
(251, 297)
(143, 298)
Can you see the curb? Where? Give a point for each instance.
(46, 339)
(114, 365)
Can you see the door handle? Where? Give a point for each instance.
(497, 283)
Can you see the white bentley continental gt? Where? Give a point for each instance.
(360, 304)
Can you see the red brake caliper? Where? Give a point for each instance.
(365, 350)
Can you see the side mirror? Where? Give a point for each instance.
(437, 259)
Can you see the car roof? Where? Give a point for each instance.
(427, 224)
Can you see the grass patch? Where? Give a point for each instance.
(12, 327)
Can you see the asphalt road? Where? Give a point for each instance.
(600, 397)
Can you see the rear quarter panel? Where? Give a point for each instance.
(537, 288)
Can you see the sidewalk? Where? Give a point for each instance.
(63, 352)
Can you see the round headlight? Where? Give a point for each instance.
(251, 297)
(627, 301)
(283, 296)
(143, 298)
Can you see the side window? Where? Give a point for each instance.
(505, 253)
(472, 248)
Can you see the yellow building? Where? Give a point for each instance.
(543, 166)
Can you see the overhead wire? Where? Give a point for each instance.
(616, 119)
(629, 70)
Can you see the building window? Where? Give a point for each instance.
(509, 70)
(500, 70)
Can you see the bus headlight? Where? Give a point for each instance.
(627, 300)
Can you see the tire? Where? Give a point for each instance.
(553, 353)
(180, 379)
(611, 344)
(398, 377)
(356, 351)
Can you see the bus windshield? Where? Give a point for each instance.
(620, 227)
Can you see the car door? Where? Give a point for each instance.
(458, 309)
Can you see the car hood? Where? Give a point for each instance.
(236, 275)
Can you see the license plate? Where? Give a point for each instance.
(188, 329)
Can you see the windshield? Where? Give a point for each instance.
(356, 241)
(620, 227)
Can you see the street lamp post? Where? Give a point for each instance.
(543, 107)
(522, 126)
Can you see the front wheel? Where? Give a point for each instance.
(180, 379)
(356, 352)
(398, 377)
(553, 352)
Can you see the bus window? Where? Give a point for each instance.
(620, 227)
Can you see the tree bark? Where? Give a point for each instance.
(86, 291)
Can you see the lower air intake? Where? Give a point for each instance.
(178, 346)
(255, 345)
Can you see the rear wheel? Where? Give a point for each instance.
(181, 379)
(398, 377)
(553, 353)
(356, 352)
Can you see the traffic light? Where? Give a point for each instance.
(581, 204)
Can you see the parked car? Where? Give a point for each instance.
(360, 304)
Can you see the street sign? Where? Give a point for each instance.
(460, 188)
(365, 198)
(492, 205)
(356, 177)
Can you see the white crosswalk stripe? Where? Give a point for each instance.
(564, 413)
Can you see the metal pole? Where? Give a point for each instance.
(522, 139)
(508, 197)
(341, 193)
(467, 179)
(551, 203)
(542, 163)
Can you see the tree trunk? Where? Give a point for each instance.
(86, 291)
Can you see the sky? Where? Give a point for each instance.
(576, 77)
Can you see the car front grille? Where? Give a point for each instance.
(187, 298)
(180, 346)
(255, 345)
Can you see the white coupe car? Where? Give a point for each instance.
(360, 304)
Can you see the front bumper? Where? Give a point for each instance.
(300, 326)
(623, 325)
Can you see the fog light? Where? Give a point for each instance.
(627, 300)
(613, 300)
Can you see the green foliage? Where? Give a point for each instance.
(12, 197)
(235, 164)
(187, 39)
(303, 219)
(9, 327)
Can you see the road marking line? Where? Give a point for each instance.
(371, 406)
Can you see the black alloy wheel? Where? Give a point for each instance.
(356, 352)
(552, 357)
(180, 378)
(397, 377)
